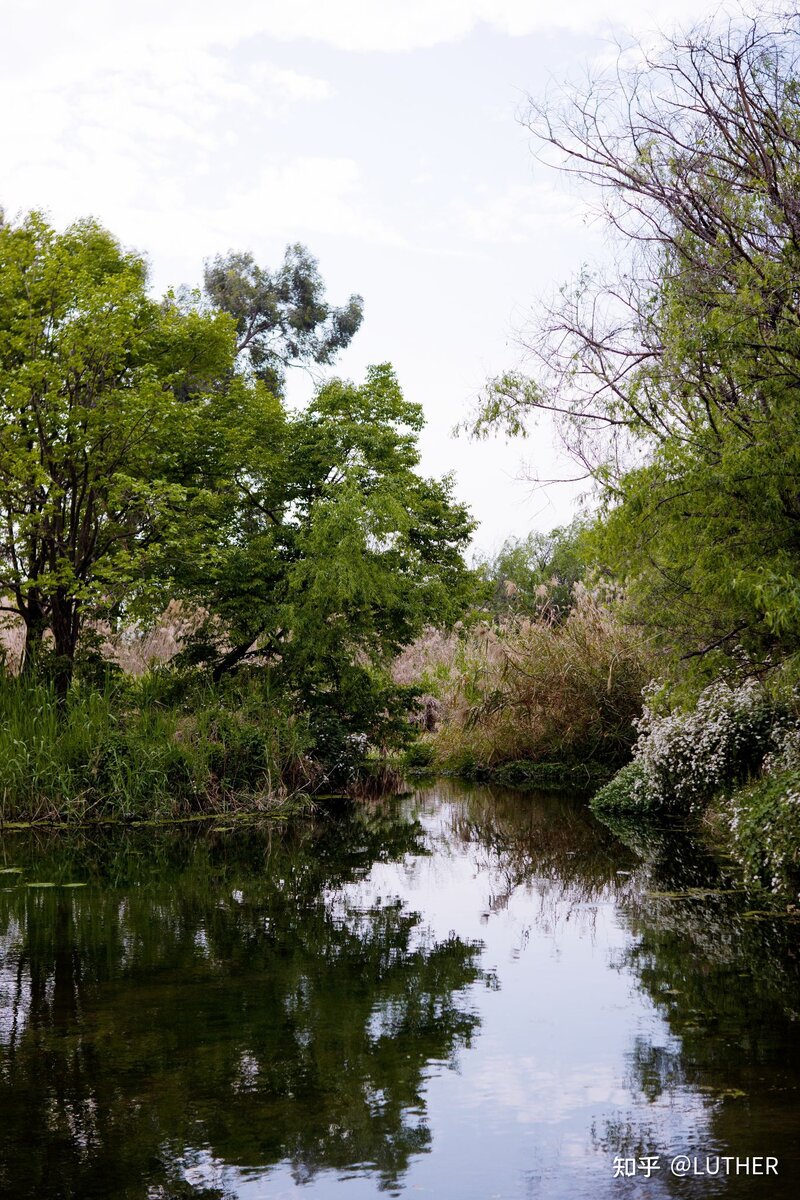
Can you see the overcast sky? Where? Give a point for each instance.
(383, 135)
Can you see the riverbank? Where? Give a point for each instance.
(730, 764)
(519, 774)
(152, 748)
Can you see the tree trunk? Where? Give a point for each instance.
(66, 627)
(33, 615)
(231, 660)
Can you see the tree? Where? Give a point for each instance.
(535, 575)
(676, 377)
(323, 550)
(98, 383)
(282, 317)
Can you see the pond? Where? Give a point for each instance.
(456, 993)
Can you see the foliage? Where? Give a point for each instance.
(147, 458)
(154, 747)
(321, 551)
(627, 792)
(419, 757)
(764, 821)
(536, 574)
(674, 375)
(282, 317)
(98, 384)
(682, 759)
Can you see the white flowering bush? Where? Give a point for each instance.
(786, 754)
(681, 759)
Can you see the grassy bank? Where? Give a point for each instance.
(539, 701)
(148, 748)
(558, 703)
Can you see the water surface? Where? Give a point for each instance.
(459, 993)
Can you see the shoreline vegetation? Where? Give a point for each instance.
(672, 376)
(215, 603)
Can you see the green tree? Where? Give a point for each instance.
(535, 575)
(322, 550)
(145, 452)
(282, 317)
(675, 377)
(97, 384)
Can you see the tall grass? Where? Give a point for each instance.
(541, 690)
(146, 748)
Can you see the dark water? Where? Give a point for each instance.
(454, 994)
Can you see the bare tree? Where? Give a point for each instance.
(693, 154)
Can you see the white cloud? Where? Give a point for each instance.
(88, 29)
(519, 213)
(309, 194)
(184, 129)
(298, 198)
(145, 128)
(529, 1093)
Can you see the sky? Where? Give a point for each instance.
(385, 136)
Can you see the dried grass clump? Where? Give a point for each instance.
(136, 649)
(536, 689)
(12, 641)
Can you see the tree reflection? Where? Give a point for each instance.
(721, 1074)
(726, 981)
(549, 838)
(214, 992)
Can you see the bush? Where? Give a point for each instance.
(419, 756)
(683, 759)
(764, 821)
(627, 792)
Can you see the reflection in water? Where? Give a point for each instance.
(460, 993)
(203, 993)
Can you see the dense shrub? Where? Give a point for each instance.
(564, 690)
(628, 792)
(764, 821)
(682, 759)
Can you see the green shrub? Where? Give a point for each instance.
(764, 821)
(627, 792)
(419, 756)
(683, 759)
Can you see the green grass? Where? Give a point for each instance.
(149, 748)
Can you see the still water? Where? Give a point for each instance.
(457, 993)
